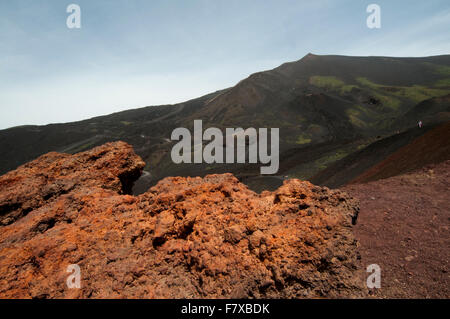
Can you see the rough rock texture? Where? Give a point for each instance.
(114, 166)
(206, 237)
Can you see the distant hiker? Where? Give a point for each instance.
(420, 124)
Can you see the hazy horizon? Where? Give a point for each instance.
(131, 54)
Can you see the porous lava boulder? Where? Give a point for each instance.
(207, 237)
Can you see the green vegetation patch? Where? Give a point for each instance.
(348, 88)
(443, 83)
(368, 83)
(415, 93)
(303, 139)
(387, 100)
(326, 81)
(331, 82)
(439, 69)
(364, 117)
(353, 116)
(323, 162)
(418, 93)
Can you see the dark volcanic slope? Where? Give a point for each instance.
(331, 103)
(432, 109)
(432, 147)
(144, 128)
(390, 156)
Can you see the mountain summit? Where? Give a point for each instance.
(326, 107)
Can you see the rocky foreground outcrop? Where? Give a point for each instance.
(207, 237)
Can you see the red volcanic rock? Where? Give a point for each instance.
(207, 237)
(113, 166)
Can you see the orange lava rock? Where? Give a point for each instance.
(190, 237)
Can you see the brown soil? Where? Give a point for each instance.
(403, 226)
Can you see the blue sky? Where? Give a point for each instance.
(134, 53)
